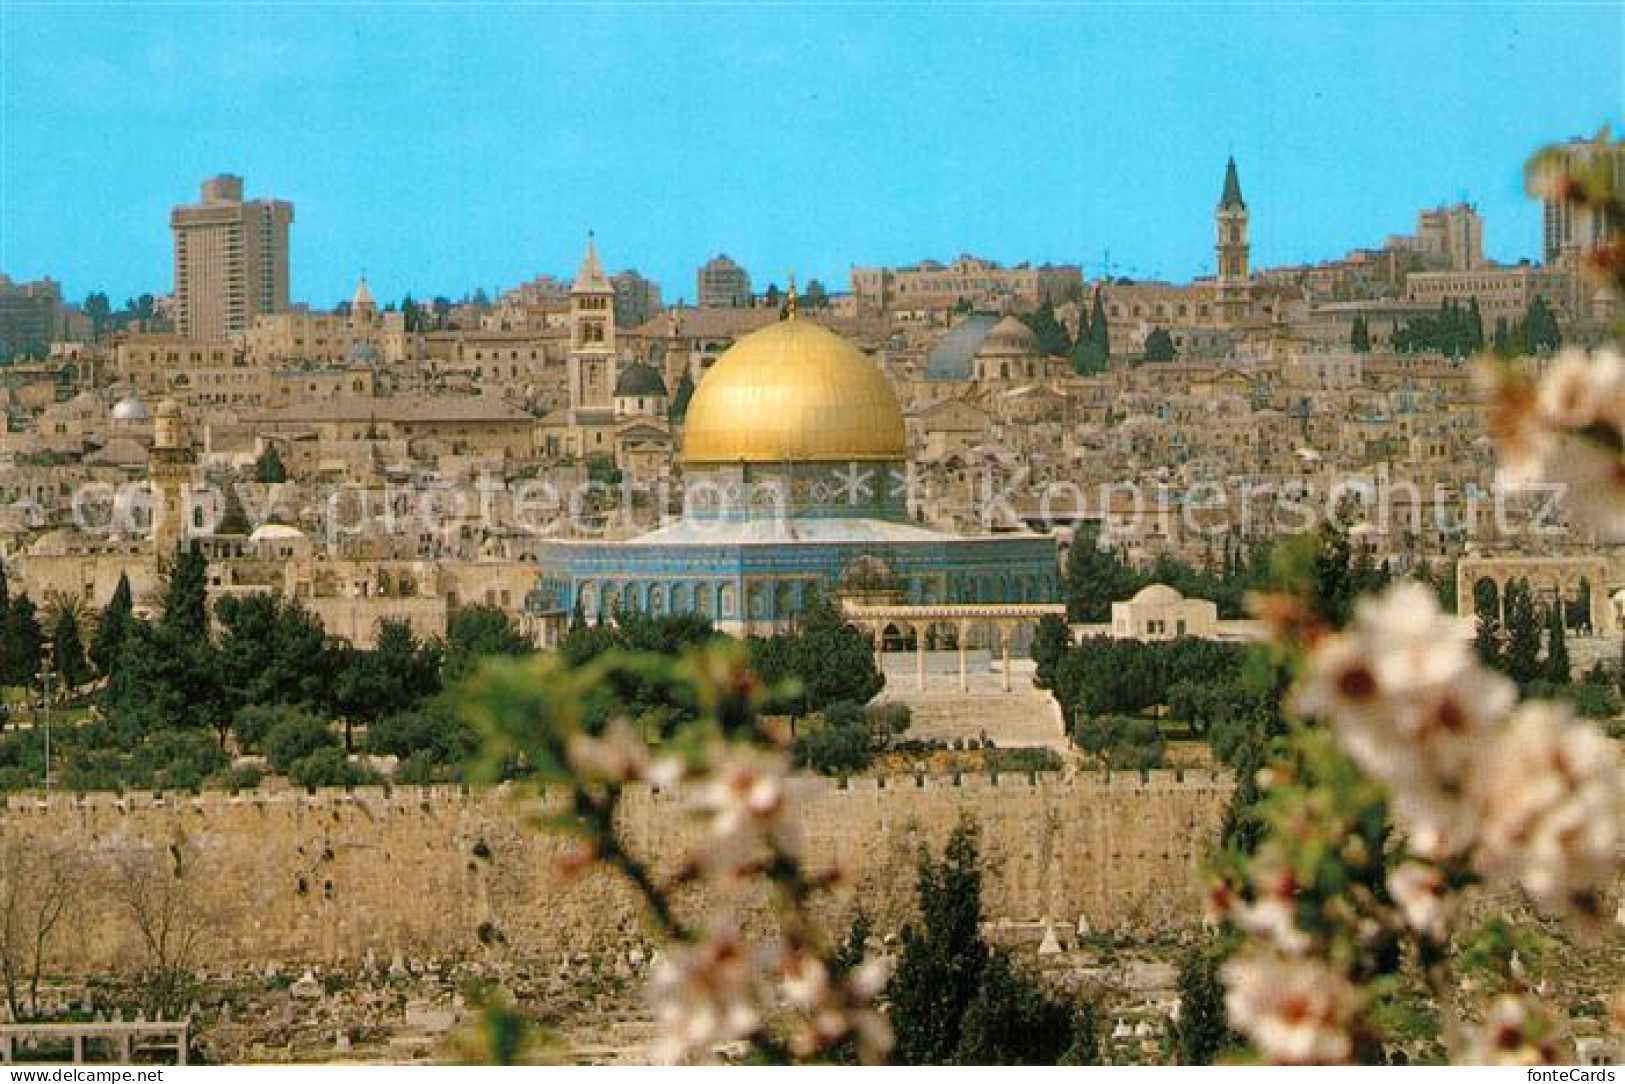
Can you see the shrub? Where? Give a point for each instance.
(434, 731)
(296, 737)
(329, 767)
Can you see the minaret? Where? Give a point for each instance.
(1233, 294)
(169, 474)
(363, 309)
(592, 351)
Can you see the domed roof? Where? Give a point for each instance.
(640, 379)
(1010, 338)
(950, 358)
(267, 532)
(793, 392)
(363, 353)
(130, 409)
(1157, 594)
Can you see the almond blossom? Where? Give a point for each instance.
(1296, 1010)
(1553, 802)
(620, 756)
(708, 994)
(1412, 706)
(1513, 1033)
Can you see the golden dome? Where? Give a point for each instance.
(793, 392)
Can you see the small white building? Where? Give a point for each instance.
(1158, 612)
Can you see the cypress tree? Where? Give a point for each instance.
(114, 627)
(1360, 336)
(1557, 647)
(1523, 634)
(68, 649)
(186, 598)
(940, 966)
(23, 643)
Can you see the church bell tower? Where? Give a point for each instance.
(592, 354)
(1233, 294)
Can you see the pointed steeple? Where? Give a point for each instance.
(590, 279)
(792, 304)
(1231, 197)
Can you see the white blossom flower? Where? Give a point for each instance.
(708, 994)
(1296, 1010)
(1512, 1034)
(1273, 911)
(1412, 706)
(1580, 389)
(1553, 802)
(1567, 429)
(620, 756)
(1418, 890)
(746, 798)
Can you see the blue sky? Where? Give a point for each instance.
(445, 147)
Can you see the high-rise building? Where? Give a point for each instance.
(231, 259)
(1232, 296)
(722, 284)
(637, 299)
(1568, 231)
(31, 317)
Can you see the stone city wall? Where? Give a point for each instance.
(334, 878)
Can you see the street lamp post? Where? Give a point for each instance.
(45, 684)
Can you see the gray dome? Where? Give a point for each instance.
(640, 379)
(130, 409)
(363, 353)
(1009, 338)
(951, 358)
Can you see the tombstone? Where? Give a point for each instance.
(341, 1042)
(1050, 946)
(397, 965)
(306, 988)
(1083, 925)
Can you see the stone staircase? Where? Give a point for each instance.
(1026, 716)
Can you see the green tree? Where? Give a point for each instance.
(113, 627)
(1159, 346)
(477, 632)
(268, 467)
(271, 651)
(1487, 641)
(162, 681)
(1051, 641)
(186, 597)
(1095, 578)
(295, 737)
(1011, 1020)
(940, 965)
(957, 1001)
(827, 658)
(1360, 336)
(1522, 635)
(1540, 330)
(1557, 647)
(1202, 1032)
(1092, 352)
(1052, 337)
(680, 398)
(233, 520)
(68, 648)
(22, 643)
(397, 674)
